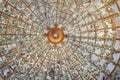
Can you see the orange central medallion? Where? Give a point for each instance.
(55, 35)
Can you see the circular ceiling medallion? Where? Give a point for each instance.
(55, 35)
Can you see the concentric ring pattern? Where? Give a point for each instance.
(90, 49)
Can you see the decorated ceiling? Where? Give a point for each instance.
(59, 39)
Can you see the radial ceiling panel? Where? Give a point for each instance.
(59, 39)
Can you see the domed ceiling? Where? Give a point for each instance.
(59, 39)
